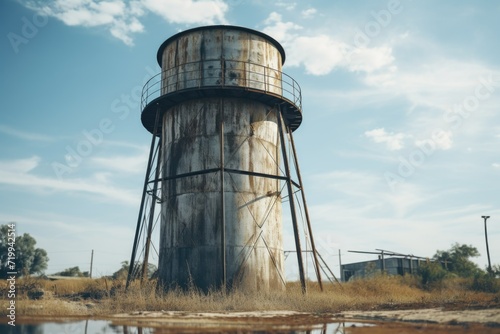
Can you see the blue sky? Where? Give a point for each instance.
(399, 147)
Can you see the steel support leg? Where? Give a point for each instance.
(308, 220)
(291, 200)
(152, 211)
(143, 201)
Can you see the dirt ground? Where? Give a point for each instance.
(490, 317)
(414, 321)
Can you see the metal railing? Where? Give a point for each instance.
(221, 73)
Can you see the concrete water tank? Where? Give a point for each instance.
(219, 98)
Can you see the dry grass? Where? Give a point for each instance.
(86, 297)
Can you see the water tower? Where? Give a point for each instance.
(222, 160)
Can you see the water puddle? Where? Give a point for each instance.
(105, 327)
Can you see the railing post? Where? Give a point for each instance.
(281, 84)
(176, 77)
(266, 79)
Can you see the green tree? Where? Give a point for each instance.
(28, 258)
(457, 260)
(123, 271)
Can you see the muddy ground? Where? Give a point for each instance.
(490, 317)
(487, 317)
(430, 320)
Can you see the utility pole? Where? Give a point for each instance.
(487, 248)
(91, 263)
(340, 266)
(383, 262)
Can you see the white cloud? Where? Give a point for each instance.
(278, 29)
(188, 11)
(122, 18)
(496, 165)
(89, 14)
(122, 30)
(118, 16)
(320, 53)
(393, 141)
(286, 4)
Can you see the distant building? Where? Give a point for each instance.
(391, 266)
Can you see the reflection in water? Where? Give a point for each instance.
(106, 327)
(21, 329)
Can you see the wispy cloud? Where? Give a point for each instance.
(125, 144)
(25, 135)
(122, 18)
(21, 166)
(364, 59)
(365, 216)
(279, 29)
(67, 242)
(128, 164)
(364, 195)
(20, 173)
(309, 13)
(442, 142)
(455, 98)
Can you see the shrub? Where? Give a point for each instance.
(485, 283)
(96, 289)
(30, 287)
(431, 273)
